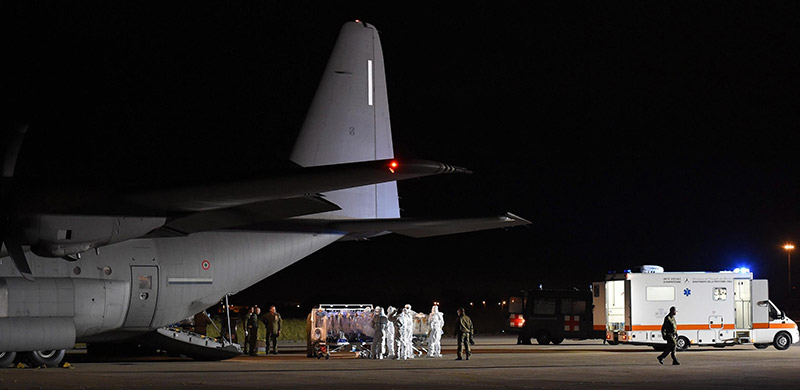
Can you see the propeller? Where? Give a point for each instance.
(9, 228)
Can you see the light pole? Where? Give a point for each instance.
(789, 247)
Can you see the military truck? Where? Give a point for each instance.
(551, 316)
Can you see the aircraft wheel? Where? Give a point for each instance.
(761, 346)
(682, 343)
(782, 341)
(543, 337)
(48, 357)
(7, 358)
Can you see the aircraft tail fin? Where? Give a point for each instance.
(348, 121)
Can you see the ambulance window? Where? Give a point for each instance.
(566, 306)
(544, 306)
(572, 307)
(666, 293)
(720, 293)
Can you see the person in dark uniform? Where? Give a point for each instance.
(669, 332)
(273, 321)
(252, 330)
(464, 333)
(309, 326)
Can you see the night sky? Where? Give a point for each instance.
(627, 133)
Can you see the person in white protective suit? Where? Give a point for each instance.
(391, 328)
(436, 322)
(379, 324)
(405, 346)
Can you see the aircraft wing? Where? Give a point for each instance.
(302, 182)
(182, 200)
(247, 214)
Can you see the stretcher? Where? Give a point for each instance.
(420, 336)
(341, 328)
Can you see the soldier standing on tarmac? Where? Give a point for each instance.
(252, 329)
(273, 321)
(669, 331)
(464, 333)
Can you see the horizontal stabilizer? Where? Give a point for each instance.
(419, 228)
(412, 227)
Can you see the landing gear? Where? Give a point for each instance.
(48, 358)
(7, 358)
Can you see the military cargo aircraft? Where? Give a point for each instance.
(102, 265)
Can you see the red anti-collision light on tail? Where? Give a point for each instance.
(393, 166)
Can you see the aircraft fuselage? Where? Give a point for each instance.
(137, 285)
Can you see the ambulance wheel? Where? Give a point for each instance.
(682, 343)
(659, 347)
(49, 357)
(543, 337)
(782, 341)
(557, 340)
(524, 338)
(761, 346)
(6, 358)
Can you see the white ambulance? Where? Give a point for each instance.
(713, 308)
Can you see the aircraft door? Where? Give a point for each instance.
(144, 293)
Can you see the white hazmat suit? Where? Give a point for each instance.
(405, 346)
(391, 348)
(379, 324)
(436, 322)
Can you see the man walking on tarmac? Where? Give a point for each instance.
(669, 332)
(273, 321)
(464, 333)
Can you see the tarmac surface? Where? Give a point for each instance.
(496, 363)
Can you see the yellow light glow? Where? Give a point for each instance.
(788, 247)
